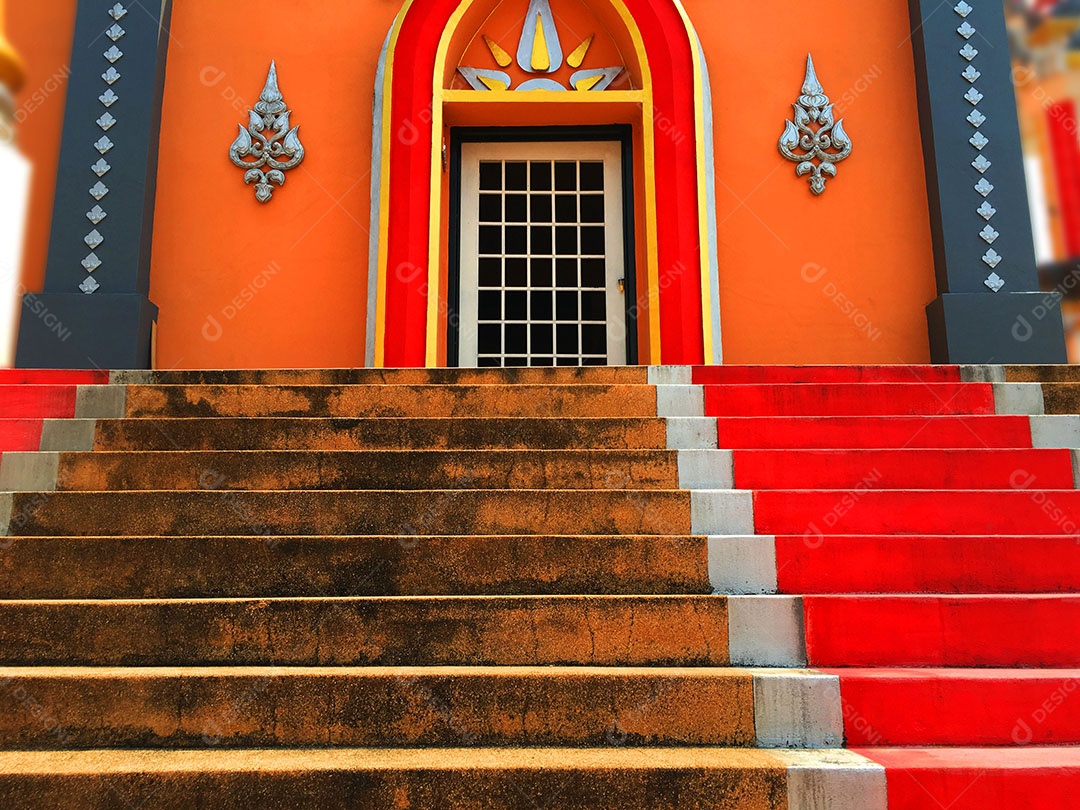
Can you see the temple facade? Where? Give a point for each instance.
(524, 182)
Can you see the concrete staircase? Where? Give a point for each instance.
(540, 588)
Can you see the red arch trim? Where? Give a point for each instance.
(668, 45)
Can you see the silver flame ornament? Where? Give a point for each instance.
(812, 139)
(267, 148)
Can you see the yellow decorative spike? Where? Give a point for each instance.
(589, 82)
(492, 84)
(501, 56)
(541, 58)
(576, 59)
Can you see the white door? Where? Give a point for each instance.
(542, 264)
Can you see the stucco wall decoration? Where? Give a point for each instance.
(267, 148)
(812, 139)
(540, 52)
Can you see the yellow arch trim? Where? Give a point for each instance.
(703, 194)
(384, 188)
(648, 133)
(435, 214)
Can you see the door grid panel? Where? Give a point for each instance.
(542, 255)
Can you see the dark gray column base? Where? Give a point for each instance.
(980, 328)
(73, 330)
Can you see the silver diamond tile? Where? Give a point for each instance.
(992, 258)
(981, 164)
(108, 98)
(103, 145)
(118, 12)
(989, 235)
(978, 140)
(976, 119)
(994, 282)
(984, 187)
(106, 122)
(966, 30)
(971, 74)
(973, 96)
(89, 285)
(101, 168)
(114, 55)
(111, 76)
(96, 214)
(93, 239)
(115, 33)
(962, 8)
(968, 52)
(99, 191)
(91, 263)
(986, 211)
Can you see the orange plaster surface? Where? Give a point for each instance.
(239, 283)
(840, 278)
(41, 33)
(868, 235)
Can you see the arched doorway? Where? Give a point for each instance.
(451, 70)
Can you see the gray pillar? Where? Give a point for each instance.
(989, 308)
(95, 311)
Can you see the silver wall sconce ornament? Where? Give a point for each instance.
(267, 148)
(812, 139)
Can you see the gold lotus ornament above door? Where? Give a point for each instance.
(540, 54)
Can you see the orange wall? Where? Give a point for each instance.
(870, 229)
(298, 266)
(42, 34)
(286, 282)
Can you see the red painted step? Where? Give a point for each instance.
(1022, 630)
(960, 706)
(20, 434)
(40, 401)
(1030, 778)
(47, 376)
(928, 564)
(758, 375)
(864, 510)
(900, 469)
(824, 432)
(849, 399)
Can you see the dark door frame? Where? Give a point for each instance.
(620, 133)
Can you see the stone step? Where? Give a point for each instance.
(255, 566)
(885, 630)
(818, 375)
(834, 432)
(1012, 778)
(20, 434)
(19, 401)
(48, 376)
(966, 707)
(1061, 397)
(921, 564)
(369, 631)
(260, 707)
(357, 470)
(592, 375)
(408, 514)
(468, 778)
(850, 399)
(942, 469)
(1042, 374)
(391, 400)
(360, 434)
(1030, 509)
